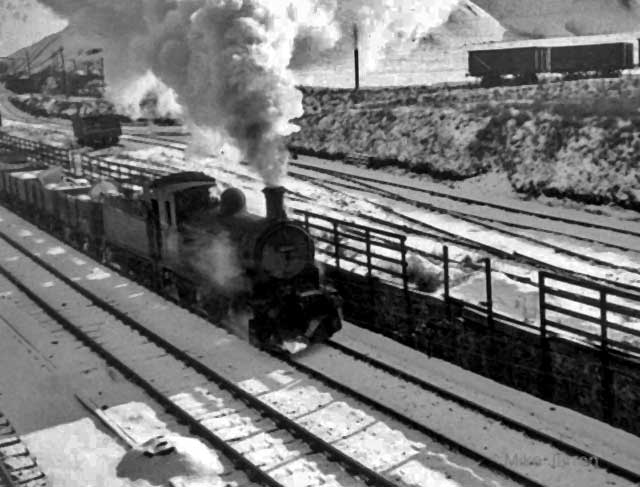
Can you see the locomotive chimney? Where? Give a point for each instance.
(274, 196)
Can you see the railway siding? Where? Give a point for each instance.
(162, 318)
(215, 410)
(544, 361)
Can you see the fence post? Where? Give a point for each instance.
(545, 383)
(368, 244)
(407, 295)
(543, 309)
(605, 373)
(447, 296)
(336, 243)
(373, 312)
(603, 320)
(489, 291)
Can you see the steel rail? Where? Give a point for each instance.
(490, 413)
(351, 465)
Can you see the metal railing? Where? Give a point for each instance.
(594, 307)
(94, 168)
(378, 251)
(36, 150)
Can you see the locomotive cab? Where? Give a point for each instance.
(172, 200)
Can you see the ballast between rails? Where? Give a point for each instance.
(490, 413)
(351, 465)
(371, 477)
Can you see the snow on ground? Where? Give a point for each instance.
(42, 369)
(44, 133)
(583, 431)
(377, 441)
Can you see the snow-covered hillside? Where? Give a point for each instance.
(551, 18)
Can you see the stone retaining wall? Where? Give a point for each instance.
(567, 373)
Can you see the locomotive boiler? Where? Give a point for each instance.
(268, 267)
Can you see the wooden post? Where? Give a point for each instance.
(368, 244)
(336, 244)
(447, 296)
(373, 308)
(605, 373)
(407, 295)
(545, 384)
(489, 291)
(403, 260)
(64, 73)
(541, 301)
(356, 57)
(603, 321)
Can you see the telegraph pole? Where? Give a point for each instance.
(356, 56)
(64, 72)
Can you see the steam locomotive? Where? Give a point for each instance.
(205, 251)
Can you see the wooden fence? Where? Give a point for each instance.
(36, 150)
(94, 168)
(570, 308)
(373, 250)
(602, 312)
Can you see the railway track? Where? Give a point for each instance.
(93, 336)
(302, 170)
(361, 180)
(344, 181)
(476, 216)
(427, 386)
(420, 228)
(230, 414)
(364, 181)
(18, 468)
(145, 357)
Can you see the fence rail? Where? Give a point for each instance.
(37, 150)
(98, 167)
(589, 304)
(372, 249)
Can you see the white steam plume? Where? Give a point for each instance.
(381, 24)
(227, 60)
(218, 261)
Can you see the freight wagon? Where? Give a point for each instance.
(97, 130)
(526, 63)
